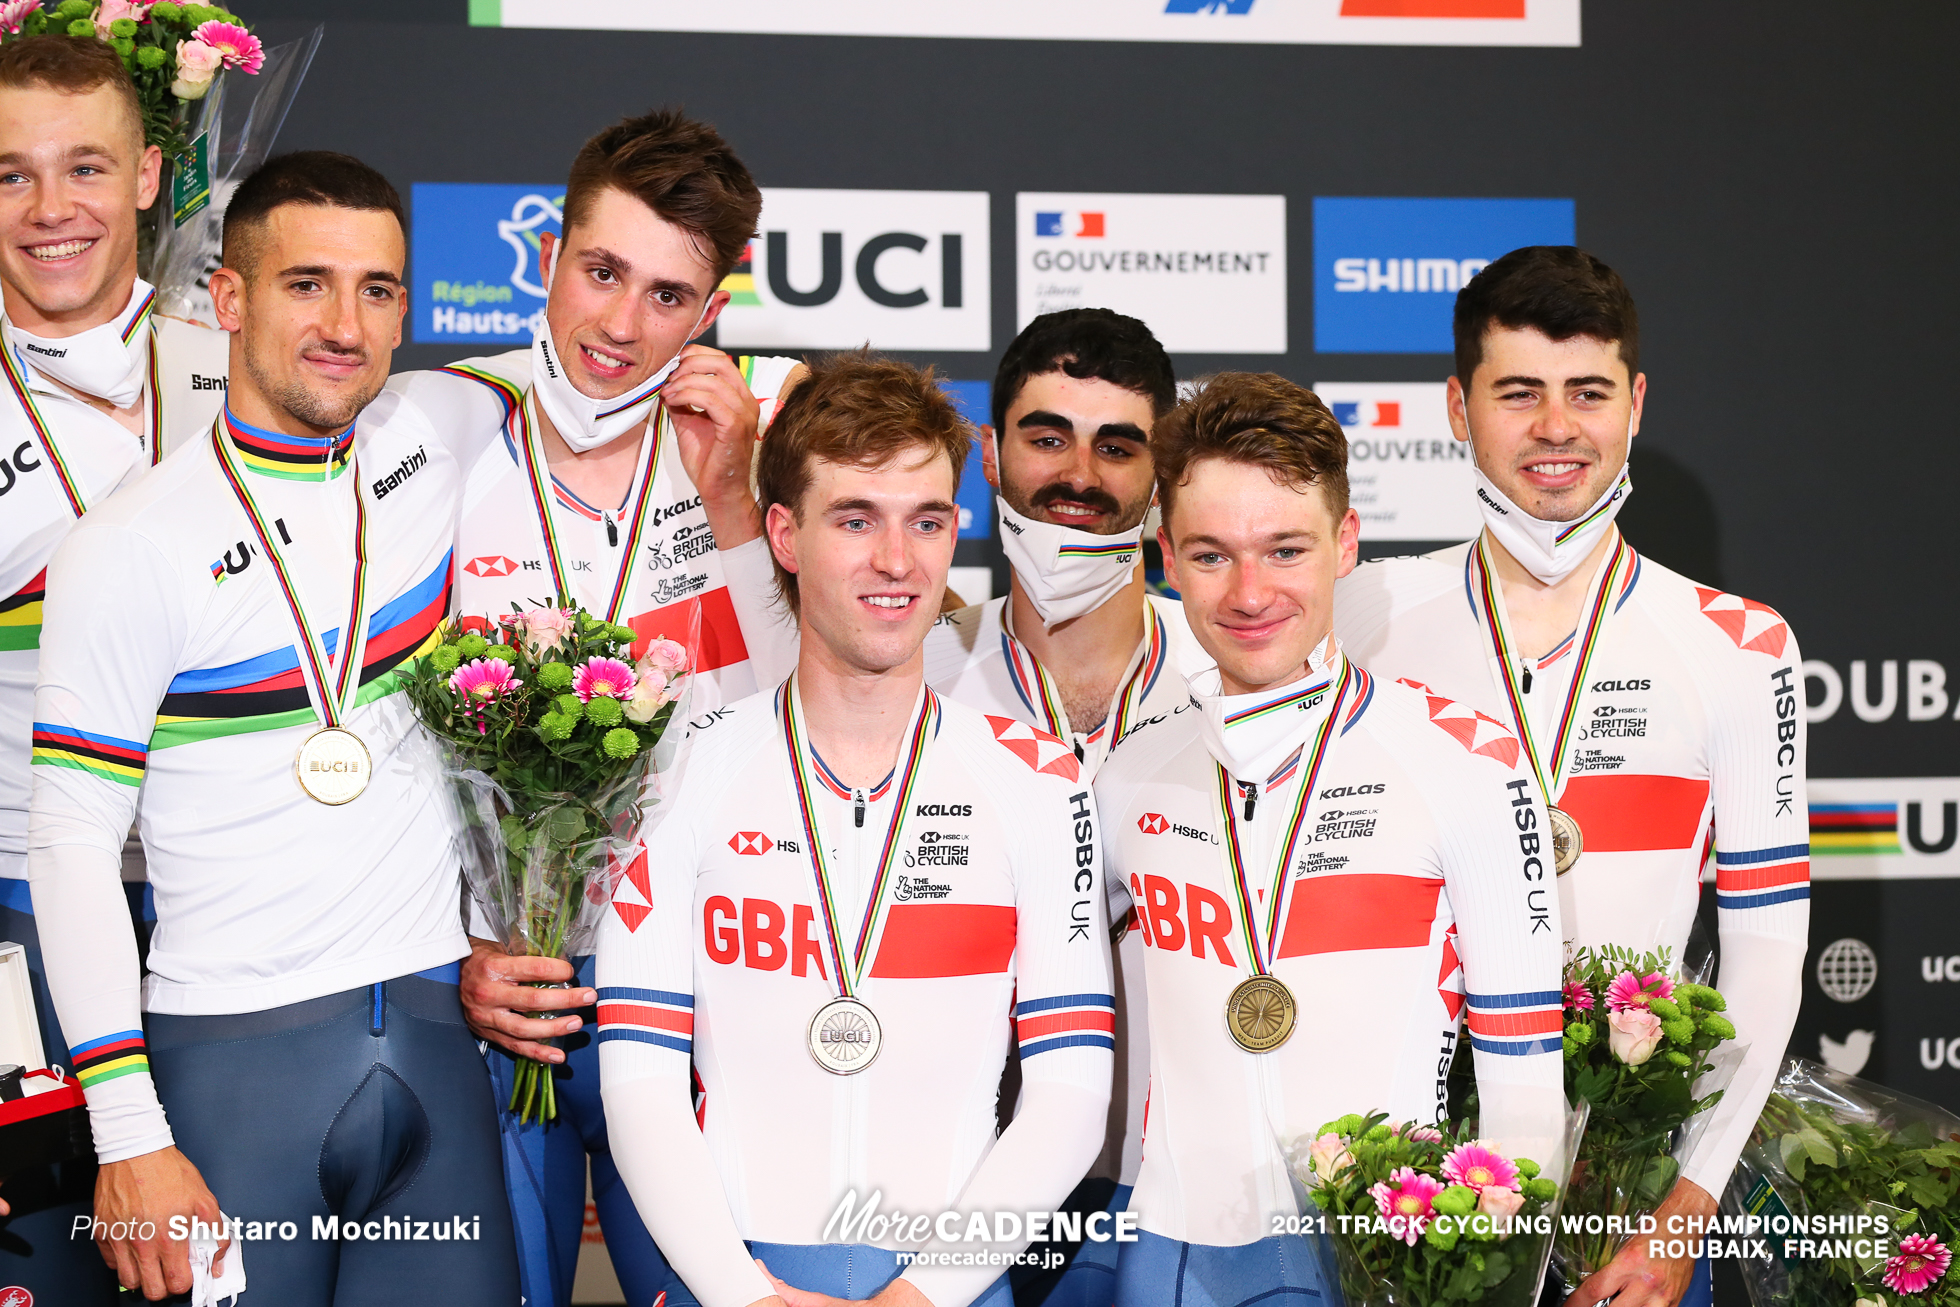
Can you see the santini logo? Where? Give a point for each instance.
(409, 467)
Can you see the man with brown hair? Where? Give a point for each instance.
(1328, 868)
(97, 389)
(613, 449)
(860, 886)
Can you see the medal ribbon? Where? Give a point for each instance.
(1491, 608)
(1282, 895)
(332, 705)
(1032, 684)
(849, 967)
(156, 401)
(1141, 680)
(539, 475)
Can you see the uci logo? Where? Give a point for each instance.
(1613, 687)
(20, 465)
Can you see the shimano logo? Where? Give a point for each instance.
(43, 350)
(943, 810)
(1422, 275)
(1349, 791)
(1611, 687)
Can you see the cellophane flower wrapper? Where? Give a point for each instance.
(1498, 1262)
(1648, 1115)
(559, 755)
(1829, 1144)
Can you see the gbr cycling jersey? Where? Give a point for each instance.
(59, 456)
(170, 672)
(964, 895)
(1380, 851)
(670, 575)
(1675, 717)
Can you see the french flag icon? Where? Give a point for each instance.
(1369, 413)
(1065, 223)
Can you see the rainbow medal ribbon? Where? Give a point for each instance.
(17, 382)
(1261, 1011)
(538, 473)
(333, 765)
(1568, 840)
(844, 1035)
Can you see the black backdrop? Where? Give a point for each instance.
(1775, 181)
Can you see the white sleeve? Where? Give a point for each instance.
(645, 976)
(1762, 886)
(1064, 1018)
(465, 403)
(109, 643)
(768, 630)
(1497, 868)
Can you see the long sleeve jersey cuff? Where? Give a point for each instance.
(1762, 980)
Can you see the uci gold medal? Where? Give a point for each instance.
(1260, 1014)
(333, 766)
(844, 1037)
(1568, 841)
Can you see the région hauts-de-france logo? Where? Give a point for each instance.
(476, 250)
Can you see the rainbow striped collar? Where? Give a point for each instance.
(289, 458)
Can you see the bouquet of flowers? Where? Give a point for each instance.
(1829, 1145)
(552, 736)
(1427, 1216)
(1651, 1054)
(180, 56)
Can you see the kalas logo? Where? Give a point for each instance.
(1386, 413)
(1614, 687)
(1153, 823)
(752, 842)
(944, 810)
(476, 251)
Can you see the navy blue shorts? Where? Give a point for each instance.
(1281, 1271)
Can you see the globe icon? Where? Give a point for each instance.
(1847, 969)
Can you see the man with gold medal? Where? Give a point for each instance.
(221, 642)
(1330, 869)
(1663, 718)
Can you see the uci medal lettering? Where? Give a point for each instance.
(845, 1037)
(1260, 1014)
(1568, 841)
(333, 766)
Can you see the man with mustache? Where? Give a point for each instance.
(97, 389)
(1076, 647)
(220, 642)
(1662, 717)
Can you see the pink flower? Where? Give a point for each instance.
(667, 656)
(1635, 1032)
(483, 679)
(544, 628)
(1406, 1200)
(1627, 991)
(1480, 1167)
(1500, 1204)
(239, 48)
(1577, 997)
(649, 695)
(602, 677)
(197, 65)
(14, 12)
(111, 10)
(1330, 1157)
(1920, 1261)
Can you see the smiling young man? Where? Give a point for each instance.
(863, 890)
(615, 448)
(220, 642)
(96, 389)
(1329, 869)
(1661, 717)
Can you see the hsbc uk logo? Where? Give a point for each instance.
(753, 843)
(491, 565)
(1155, 823)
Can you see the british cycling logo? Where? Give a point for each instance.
(476, 251)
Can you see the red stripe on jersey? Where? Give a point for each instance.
(1633, 814)
(1548, 1022)
(927, 940)
(1731, 879)
(1045, 1024)
(1339, 914)
(721, 634)
(645, 1014)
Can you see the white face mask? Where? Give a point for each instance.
(582, 422)
(110, 361)
(1253, 744)
(1067, 572)
(1550, 551)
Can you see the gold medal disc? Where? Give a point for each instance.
(1259, 1014)
(844, 1037)
(1568, 841)
(333, 766)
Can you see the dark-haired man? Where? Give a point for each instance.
(864, 892)
(612, 449)
(97, 388)
(1076, 647)
(1328, 867)
(1660, 717)
(220, 642)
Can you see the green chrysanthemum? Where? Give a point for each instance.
(166, 11)
(605, 712)
(1678, 1058)
(1680, 1029)
(151, 56)
(1457, 1200)
(471, 645)
(502, 651)
(122, 45)
(570, 705)
(555, 676)
(1527, 1168)
(445, 659)
(1720, 1027)
(1437, 1237)
(75, 9)
(555, 726)
(619, 742)
(81, 27)
(1540, 1189)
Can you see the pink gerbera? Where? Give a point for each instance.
(1406, 1201)
(1480, 1166)
(483, 679)
(241, 50)
(1628, 990)
(1920, 1261)
(14, 12)
(1577, 997)
(606, 678)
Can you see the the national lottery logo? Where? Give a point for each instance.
(476, 252)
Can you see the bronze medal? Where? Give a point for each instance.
(1568, 841)
(1260, 1014)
